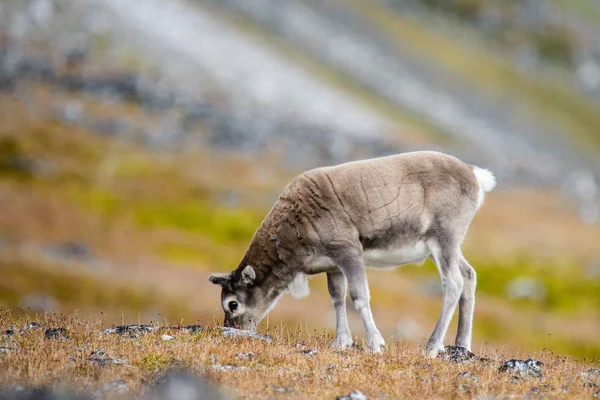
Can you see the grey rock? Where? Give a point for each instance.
(30, 326)
(280, 389)
(69, 251)
(457, 355)
(591, 373)
(167, 338)
(4, 349)
(220, 367)
(309, 352)
(354, 395)
(468, 376)
(132, 331)
(525, 287)
(115, 387)
(526, 368)
(100, 358)
(179, 385)
(233, 332)
(56, 333)
(247, 356)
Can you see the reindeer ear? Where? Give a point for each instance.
(248, 275)
(220, 278)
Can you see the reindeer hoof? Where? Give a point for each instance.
(433, 350)
(342, 343)
(375, 344)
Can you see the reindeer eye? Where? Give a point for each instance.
(233, 305)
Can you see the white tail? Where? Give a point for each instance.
(486, 180)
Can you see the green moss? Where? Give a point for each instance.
(94, 199)
(156, 362)
(221, 224)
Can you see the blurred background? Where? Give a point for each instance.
(141, 144)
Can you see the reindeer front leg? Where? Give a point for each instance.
(354, 270)
(336, 283)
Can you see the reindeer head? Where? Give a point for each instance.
(244, 299)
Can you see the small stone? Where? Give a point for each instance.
(527, 368)
(56, 333)
(233, 332)
(535, 390)
(220, 367)
(133, 331)
(354, 395)
(99, 357)
(213, 359)
(167, 338)
(4, 349)
(457, 355)
(594, 372)
(468, 376)
(9, 332)
(29, 326)
(280, 389)
(193, 328)
(245, 356)
(309, 352)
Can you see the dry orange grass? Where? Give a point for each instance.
(401, 372)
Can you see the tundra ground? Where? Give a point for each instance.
(297, 364)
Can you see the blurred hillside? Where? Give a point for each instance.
(141, 143)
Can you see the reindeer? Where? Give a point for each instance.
(381, 213)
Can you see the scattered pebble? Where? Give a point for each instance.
(534, 390)
(354, 395)
(220, 367)
(213, 359)
(590, 373)
(309, 352)
(468, 376)
(167, 338)
(193, 328)
(29, 326)
(245, 356)
(280, 389)
(9, 332)
(233, 332)
(4, 349)
(56, 333)
(99, 357)
(527, 368)
(132, 331)
(457, 355)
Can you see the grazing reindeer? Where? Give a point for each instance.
(380, 213)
